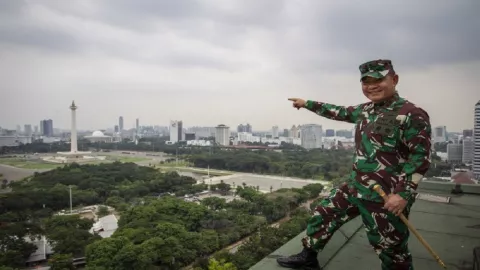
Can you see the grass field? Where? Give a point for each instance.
(180, 163)
(40, 164)
(28, 164)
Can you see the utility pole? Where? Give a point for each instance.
(70, 188)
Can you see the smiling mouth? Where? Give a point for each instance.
(375, 92)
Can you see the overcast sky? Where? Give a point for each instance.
(211, 62)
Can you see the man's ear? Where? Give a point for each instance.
(396, 79)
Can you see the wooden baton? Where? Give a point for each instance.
(380, 191)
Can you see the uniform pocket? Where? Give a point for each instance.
(386, 129)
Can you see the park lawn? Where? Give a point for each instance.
(28, 164)
(180, 163)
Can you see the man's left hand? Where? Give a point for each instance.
(395, 204)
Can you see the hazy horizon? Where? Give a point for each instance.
(229, 62)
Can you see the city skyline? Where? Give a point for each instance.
(208, 63)
(234, 126)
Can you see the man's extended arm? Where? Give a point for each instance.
(417, 137)
(334, 112)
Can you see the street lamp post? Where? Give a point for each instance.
(70, 188)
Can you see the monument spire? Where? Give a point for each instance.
(73, 131)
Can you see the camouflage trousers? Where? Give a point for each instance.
(387, 234)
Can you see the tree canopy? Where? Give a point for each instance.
(155, 232)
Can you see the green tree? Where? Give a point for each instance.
(103, 211)
(220, 265)
(61, 262)
(69, 234)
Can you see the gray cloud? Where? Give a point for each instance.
(416, 34)
(313, 37)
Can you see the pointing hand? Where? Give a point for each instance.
(298, 103)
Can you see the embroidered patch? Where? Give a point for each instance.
(385, 125)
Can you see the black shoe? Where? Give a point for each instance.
(307, 259)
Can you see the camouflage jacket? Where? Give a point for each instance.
(392, 144)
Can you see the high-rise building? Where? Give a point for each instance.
(476, 139)
(241, 128)
(46, 126)
(181, 132)
(295, 132)
(19, 130)
(286, 132)
(137, 124)
(467, 156)
(440, 134)
(275, 132)
(467, 133)
(28, 130)
(454, 153)
(35, 130)
(244, 128)
(120, 124)
(176, 131)
(173, 131)
(116, 129)
(222, 135)
(311, 136)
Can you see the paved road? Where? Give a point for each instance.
(264, 182)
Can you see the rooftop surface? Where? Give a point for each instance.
(452, 229)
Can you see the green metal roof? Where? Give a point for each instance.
(452, 230)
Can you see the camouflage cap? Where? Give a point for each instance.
(377, 69)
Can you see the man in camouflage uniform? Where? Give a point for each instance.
(392, 149)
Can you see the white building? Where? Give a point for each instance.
(176, 131)
(454, 153)
(476, 138)
(105, 226)
(294, 132)
(222, 135)
(14, 140)
(247, 137)
(28, 130)
(98, 136)
(311, 136)
(440, 134)
(467, 156)
(199, 143)
(275, 132)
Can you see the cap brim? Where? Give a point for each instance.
(375, 74)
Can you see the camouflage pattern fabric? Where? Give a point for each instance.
(376, 69)
(392, 144)
(387, 234)
(392, 149)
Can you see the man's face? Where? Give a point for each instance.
(379, 89)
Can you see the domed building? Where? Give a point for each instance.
(98, 136)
